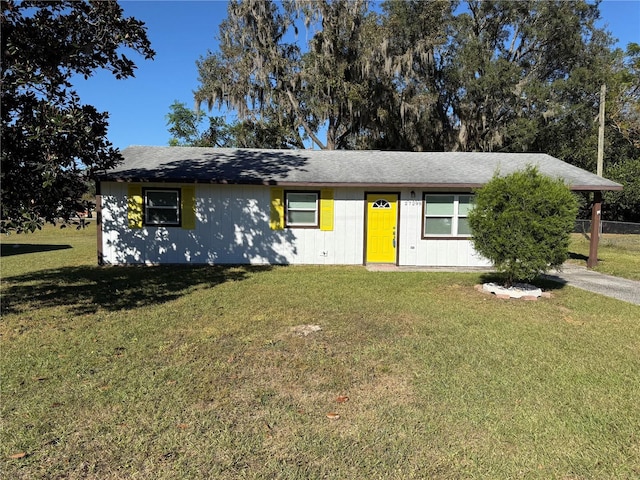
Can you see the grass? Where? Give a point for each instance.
(172, 372)
(618, 255)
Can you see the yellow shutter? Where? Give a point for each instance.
(277, 209)
(326, 210)
(134, 206)
(188, 207)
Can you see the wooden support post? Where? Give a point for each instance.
(596, 209)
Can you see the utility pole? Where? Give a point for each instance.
(603, 93)
(596, 206)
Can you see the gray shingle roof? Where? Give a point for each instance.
(339, 167)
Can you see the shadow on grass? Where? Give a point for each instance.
(545, 282)
(88, 289)
(9, 249)
(578, 256)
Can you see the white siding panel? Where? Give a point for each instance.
(409, 228)
(347, 239)
(232, 227)
(449, 253)
(416, 251)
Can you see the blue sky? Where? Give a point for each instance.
(183, 31)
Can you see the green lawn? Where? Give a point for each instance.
(182, 373)
(618, 255)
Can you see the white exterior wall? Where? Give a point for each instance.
(416, 251)
(232, 227)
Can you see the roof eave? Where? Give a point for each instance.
(448, 185)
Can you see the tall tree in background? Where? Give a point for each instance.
(187, 130)
(51, 142)
(412, 104)
(261, 72)
(338, 82)
(542, 51)
(416, 76)
(254, 68)
(622, 140)
(185, 127)
(624, 92)
(490, 75)
(494, 71)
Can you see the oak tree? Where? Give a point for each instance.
(189, 128)
(261, 71)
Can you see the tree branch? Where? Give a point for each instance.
(296, 106)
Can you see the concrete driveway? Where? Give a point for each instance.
(574, 275)
(580, 277)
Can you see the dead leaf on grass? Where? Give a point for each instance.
(333, 416)
(342, 399)
(17, 456)
(183, 425)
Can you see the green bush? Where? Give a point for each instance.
(522, 222)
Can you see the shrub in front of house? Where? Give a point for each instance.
(522, 222)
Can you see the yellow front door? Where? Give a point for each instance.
(382, 217)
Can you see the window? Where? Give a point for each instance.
(445, 215)
(162, 206)
(381, 204)
(301, 209)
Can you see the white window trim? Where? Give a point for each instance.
(454, 216)
(177, 208)
(316, 210)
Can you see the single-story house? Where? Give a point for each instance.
(191, 205)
